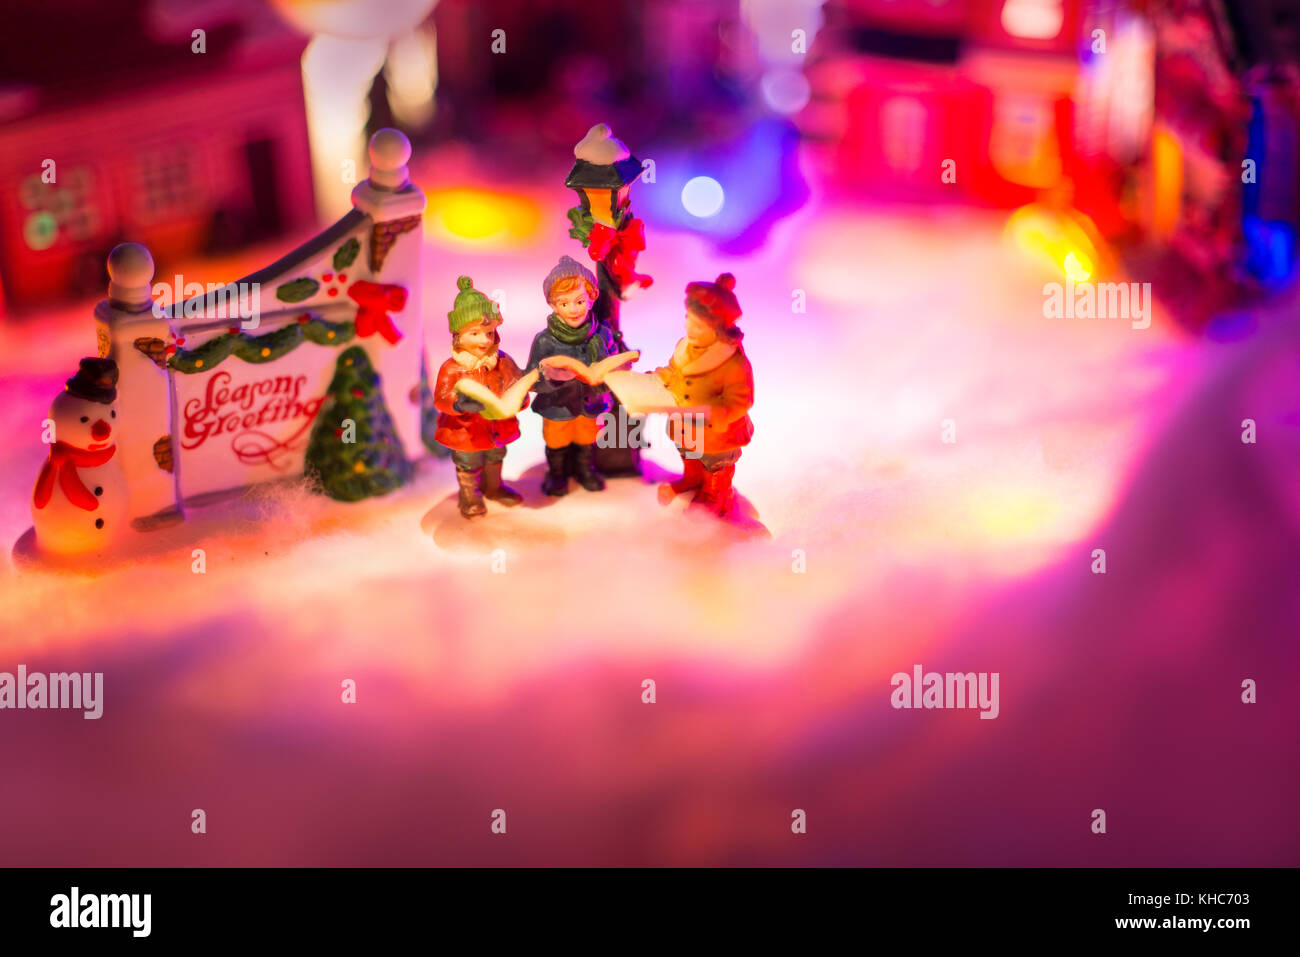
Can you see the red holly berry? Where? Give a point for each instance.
(357, 393)
(170, 350)
(328, 276)
(343, 277)
(333, 292)
(338, 433)
(233, 330)
(180, 340)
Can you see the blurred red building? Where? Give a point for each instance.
(94, 149)
(1010, 92)
(1138, 113)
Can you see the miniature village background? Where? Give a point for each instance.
(924, 302)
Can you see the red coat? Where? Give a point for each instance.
(469, 431)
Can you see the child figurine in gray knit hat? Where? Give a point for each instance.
(570, 407)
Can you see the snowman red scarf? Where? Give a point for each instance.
(62, 466)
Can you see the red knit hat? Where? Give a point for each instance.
(714, 301)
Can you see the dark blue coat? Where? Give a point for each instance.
(561, 401)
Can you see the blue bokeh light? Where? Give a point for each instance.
(702, 196)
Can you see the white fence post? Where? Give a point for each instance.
(396, 207)
(130, 334)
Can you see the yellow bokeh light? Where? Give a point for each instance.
(1017, 515)
(1066, 239)
(482, 216)
(1075, 269)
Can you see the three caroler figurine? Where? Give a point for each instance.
(708, 369)
(80, 501)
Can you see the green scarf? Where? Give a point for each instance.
(572, 336)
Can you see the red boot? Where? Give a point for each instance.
(693, 477)
(715, 493)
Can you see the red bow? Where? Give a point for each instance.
(617, 249)
(373, 303)
(62, 466)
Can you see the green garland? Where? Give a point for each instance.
(263, 348)
(582, 223)
(345, 254)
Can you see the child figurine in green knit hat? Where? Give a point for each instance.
(478, 391)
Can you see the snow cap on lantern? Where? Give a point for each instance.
(602, 174)
(130, 273)
(601, 147)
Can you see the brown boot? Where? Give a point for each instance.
(715, 492)
(691, 478)
(494, 489)
(470, 499)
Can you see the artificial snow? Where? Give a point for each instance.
(502, 663)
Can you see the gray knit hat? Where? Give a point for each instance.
(566, 267)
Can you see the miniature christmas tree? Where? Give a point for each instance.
(354, 452)
(429, 415)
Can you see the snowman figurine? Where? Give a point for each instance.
(79, 505)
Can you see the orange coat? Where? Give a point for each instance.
(469, 431)
(721, 379)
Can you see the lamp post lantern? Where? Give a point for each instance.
(603, 172)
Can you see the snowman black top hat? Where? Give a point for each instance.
(96, 381)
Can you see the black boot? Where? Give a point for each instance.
(587, 477)
(557, 471)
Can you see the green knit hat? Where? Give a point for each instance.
(471, 307)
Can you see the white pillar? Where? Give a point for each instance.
(337, 74)
(144, 397)
(390, 199)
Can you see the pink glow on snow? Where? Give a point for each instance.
(522, 690)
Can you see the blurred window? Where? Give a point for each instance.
(168, 185)
(65, 206)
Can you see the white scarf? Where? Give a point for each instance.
(470, 362)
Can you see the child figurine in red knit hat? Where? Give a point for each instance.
(709, 368)
(477, 432)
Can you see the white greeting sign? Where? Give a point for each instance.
(212, 402)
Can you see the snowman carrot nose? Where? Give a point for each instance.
(100, 430)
